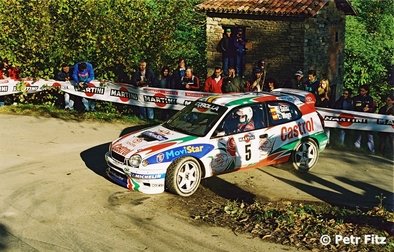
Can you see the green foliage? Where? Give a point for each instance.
(39, 35)
(370, 45)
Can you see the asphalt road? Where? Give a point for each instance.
(53, 196)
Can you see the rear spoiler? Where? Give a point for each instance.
(304, 96)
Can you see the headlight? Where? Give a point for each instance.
(110, 148)
(135, 161)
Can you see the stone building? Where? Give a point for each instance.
(289, 35)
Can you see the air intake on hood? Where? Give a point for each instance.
(150, 136)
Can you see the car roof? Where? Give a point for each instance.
(235, 99)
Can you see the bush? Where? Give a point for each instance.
(113, 35)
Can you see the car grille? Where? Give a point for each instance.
(117, 174)
(117, 157)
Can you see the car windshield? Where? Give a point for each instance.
(196, 119)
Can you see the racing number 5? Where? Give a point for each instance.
(248, 152)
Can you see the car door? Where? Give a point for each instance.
(236, 147)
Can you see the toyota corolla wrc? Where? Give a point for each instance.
(219, 134)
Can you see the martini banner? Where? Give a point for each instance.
(176, 99)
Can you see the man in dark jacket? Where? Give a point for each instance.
(364, 103)
(228, 50)
(344, 102)
(144, 77)
(233, 83)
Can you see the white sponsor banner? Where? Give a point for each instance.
(345, 119)
(108, 91)
(176, 99)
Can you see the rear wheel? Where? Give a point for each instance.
(183, 176)
(305, 155)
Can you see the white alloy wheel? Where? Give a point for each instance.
(305, 155)
(183, 176)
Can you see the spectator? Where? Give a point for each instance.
(233, 83)
(190, 81)
(255, 84)
(262, 66)
(227, 48)
(2, 76)
(213, 83)
(323, 99)
(312, 83)
(8, 70)
(271, 85)
(298, 81)
(240, 51)
(324, 92)
(165, 78)
(63, 75)
(386, 139)
(364, 103)
(83, 73)
(178, 74)
(144, 77)
(344, 102)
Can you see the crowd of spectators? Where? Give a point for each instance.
(227, 81)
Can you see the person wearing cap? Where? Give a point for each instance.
(228, 50)
(298, 81)
(256, 83)
(240, 50)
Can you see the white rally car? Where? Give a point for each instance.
(219, 134)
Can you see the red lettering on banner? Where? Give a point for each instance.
(168, 92)
(301, 128)
(124, 99)
(345, 123)
(56, 85)
(160, 104)
(90, 85)
(196, 94)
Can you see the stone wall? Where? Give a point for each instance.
(324, 45)
(286, 44)
(278, 42)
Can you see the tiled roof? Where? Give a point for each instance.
(271, 7)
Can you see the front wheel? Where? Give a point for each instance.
(305, 155)
(183, 176)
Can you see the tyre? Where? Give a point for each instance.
(305, 155)
(183, 176)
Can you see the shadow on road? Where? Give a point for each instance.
(227, 190)
(3, 237)
(339, 195)
(94, 157)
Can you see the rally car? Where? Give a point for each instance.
(219, 134)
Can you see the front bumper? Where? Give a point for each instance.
(150, 181)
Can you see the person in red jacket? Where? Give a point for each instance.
(214, 83)
(8, 70)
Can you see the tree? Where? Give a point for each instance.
(370, 46)
(38, 35)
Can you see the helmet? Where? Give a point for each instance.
(245, 114)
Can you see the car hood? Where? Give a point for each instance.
(148, 141)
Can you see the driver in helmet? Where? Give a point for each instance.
(245, 122)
